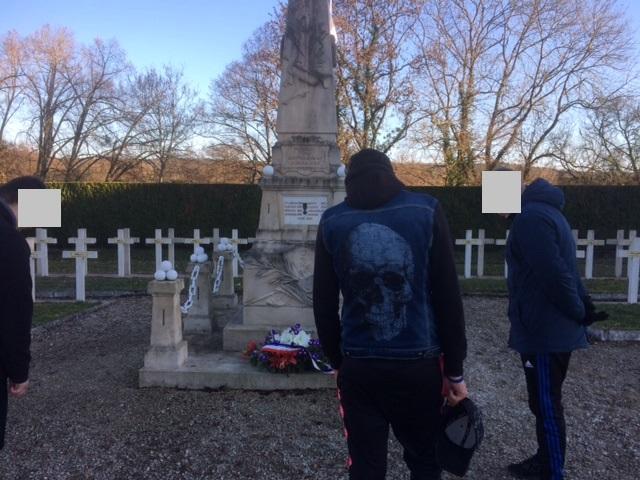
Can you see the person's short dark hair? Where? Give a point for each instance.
(9, 191)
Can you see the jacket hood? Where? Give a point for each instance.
(371, 181)
(6, 214)
(543, 192)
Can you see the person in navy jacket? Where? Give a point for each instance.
(16, 304)
(549, 310)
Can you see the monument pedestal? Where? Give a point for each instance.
(168, 350)
(278, 271)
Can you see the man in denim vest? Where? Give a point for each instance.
(389, 253)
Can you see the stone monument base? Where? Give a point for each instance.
(220, 370)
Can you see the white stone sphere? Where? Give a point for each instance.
(166, 266)
(199, 251)
(342, 171)
(172, 275)
(160, 275)
(268, 171)
(203, 257)
(193, 258)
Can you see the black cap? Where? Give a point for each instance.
(370, 180)
(461, 434)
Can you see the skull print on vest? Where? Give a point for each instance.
(380, 276)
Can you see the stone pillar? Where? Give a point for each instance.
(198, 320)
(226, 298)
(168, 350)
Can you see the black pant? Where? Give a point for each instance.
(403, 394)
(3, 408)
(545, 374)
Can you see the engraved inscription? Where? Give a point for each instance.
(303, 210)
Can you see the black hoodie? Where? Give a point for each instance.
(371, 183)
(16, 304)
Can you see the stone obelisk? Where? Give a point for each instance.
(278, 274)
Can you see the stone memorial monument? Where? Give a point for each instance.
(302, 183)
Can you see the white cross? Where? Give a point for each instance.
(590, 242)
(124, 242)
(469, 242)
(171, 246)
(235, 241)
(196, 241)
(633, 258)
(83, 240)
(620, 241)
(81, 256)
(502, 242)
(35, 255)
(579, 253)
(158, 241)
(42, 247)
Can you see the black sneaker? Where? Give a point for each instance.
(529, 468)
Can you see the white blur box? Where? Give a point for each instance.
(39, 208)
(501, 192)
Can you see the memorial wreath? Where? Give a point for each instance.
(290, 351)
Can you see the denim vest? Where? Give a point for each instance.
(381, 258)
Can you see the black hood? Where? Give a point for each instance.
(543, 192)
(370, 181)
(6, 214)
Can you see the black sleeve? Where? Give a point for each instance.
(326, 303)
(16, 307)
(445, 297)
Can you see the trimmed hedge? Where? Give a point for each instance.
(102, 208)
(604, 209)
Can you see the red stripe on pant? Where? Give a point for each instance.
(346, 432)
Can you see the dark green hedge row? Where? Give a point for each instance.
(102, 208)
(604, 209)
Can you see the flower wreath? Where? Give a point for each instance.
(290, 351)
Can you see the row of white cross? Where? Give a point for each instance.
(40, 251)
(590, 242)
(124, 241)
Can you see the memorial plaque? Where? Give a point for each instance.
(303, 210)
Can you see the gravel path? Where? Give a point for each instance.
(84, 417)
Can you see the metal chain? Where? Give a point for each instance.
(240, 261)
(192, 290)
(219, 274)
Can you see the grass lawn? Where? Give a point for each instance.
(497, 286)
(93, 284)
(604, 261)
(621, 317)
(47, 312)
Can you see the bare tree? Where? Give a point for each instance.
(608, 149)
(376, 87)
(95, 91)
(171, 121)
(121, 140)
(11, 58)
(500, 76)
(50, 69)
(243, 101)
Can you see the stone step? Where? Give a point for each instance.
(230, 370)
(235, 337)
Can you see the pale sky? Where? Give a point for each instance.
(201, 36)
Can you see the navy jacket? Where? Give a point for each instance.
(394, 267)
(16, 304)
(545, 291)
